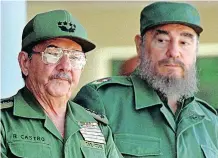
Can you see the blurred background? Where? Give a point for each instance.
(112, 26)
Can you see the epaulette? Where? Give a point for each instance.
(97, 116)
(7, 103)
(204, 103)
(122, 80)
(102, 80)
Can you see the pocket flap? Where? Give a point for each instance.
(92, 150)
(137, 145)
(29, 149)
(209, 152)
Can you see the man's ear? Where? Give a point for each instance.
(24, 62)
(138, 42)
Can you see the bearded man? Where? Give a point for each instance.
(153, 112)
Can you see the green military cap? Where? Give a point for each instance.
(53, 24)
(160, 13)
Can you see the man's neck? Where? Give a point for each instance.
(58, 119)
(54, 107)
(172, 101)
(173, 105)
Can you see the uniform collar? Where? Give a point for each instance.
(25, 105)
(142, 90)
(145, 96)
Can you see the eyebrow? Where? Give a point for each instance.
(158, 31)
(184, 34)
(187, 34)
(51, 45)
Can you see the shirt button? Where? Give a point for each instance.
(195, 117)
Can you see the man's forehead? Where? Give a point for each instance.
(168, 28)
(59, 42)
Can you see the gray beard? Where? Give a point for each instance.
(171, 87)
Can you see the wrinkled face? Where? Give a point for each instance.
(55, 79)
(167, 59)
(172, 49)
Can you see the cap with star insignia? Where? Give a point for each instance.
(91, 132)
(55, 24)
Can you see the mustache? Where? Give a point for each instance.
(62, 76)
(172, 61)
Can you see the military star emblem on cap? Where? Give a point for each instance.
(65, 23)
(67, 26)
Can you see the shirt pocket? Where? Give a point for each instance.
(92, 150)
(209, 152)
(29, 150)
(137, 145)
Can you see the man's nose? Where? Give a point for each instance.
(173, 50)
(64, 63)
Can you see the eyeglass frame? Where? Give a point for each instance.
(53, 46)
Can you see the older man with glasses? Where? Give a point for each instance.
(40, 121)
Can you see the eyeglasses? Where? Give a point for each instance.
(52, 55)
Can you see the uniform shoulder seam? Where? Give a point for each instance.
(7, 103)
(121, 80)
(99, 117)
(205, 104)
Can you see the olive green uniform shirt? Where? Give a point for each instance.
(27, 132)
(144, 126)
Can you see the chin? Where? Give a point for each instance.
(171, 75)
(59, 91)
